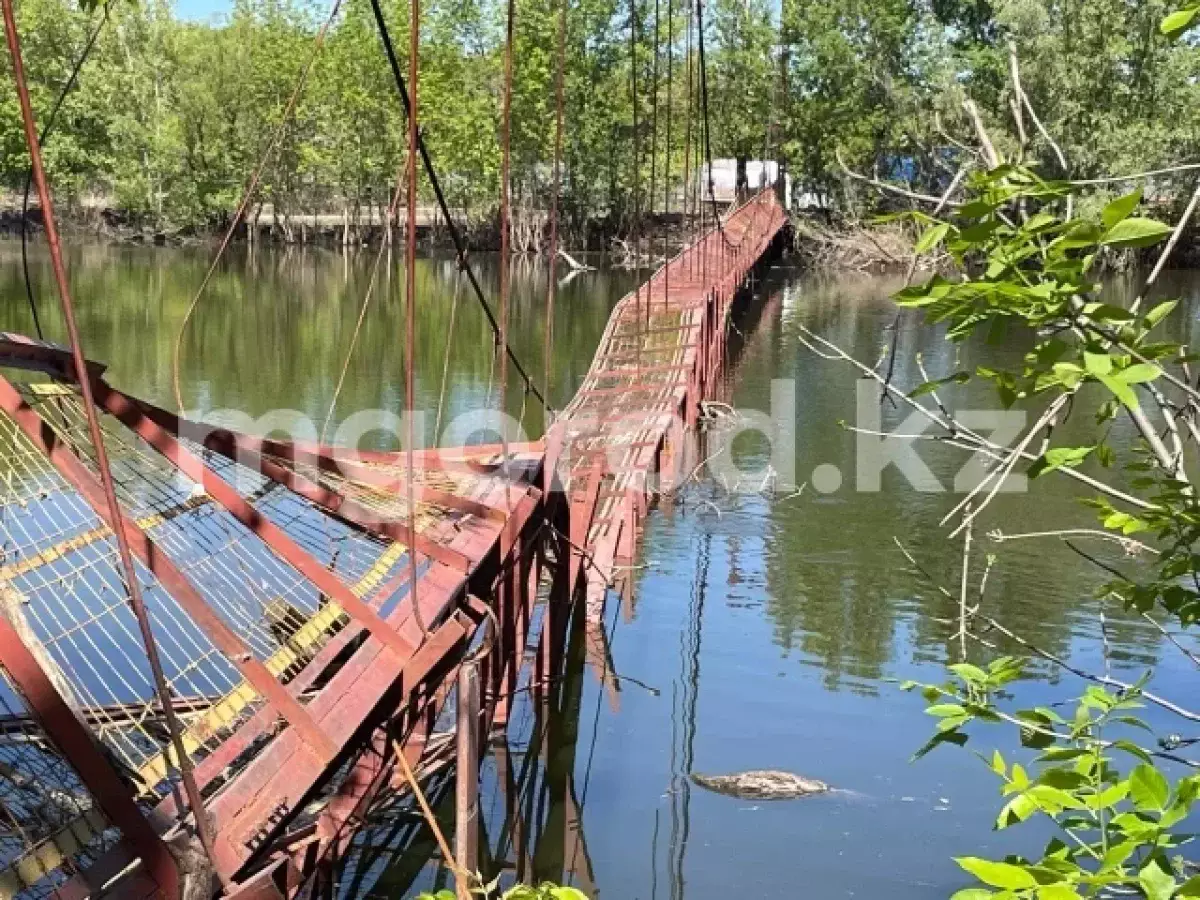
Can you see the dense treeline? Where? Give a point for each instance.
(170, 116)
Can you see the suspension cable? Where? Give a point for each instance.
(47, 130)
(555, 191)
(707, 135)
(410, 304)
(127, 572)
(636, 235)
(460, 247)
(248, 194)
(667, 157)
(654, 110)
(505, 229)
(707, 130)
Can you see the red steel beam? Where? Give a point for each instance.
(237, 506)
(253, 452)
(274, 785)
(79, 746)
(169, 576)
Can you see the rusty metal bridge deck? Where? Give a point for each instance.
(299, 652)
(620, 439)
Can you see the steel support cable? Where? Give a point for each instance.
(129, 572)
(506, 226)
(410, 304)
(636, 236)
(654, 109)
(707, 130)
(460, 247)
(248, 194)
(667, 159)
(47, 130)
(560, 77)
(372, 280)
(653, 145)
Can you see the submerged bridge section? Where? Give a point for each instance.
(308, 620)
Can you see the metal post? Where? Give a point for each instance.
(466, 788)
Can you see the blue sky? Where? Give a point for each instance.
(202, 9)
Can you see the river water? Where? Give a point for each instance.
(763, 630)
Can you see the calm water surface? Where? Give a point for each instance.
(761, 632)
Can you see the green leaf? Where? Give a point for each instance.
(1190, 888)
(1160, 312)
(1121, 390)
(997, 874)
(1139, 374)
(942, 710)
(1179, 21)
(952, 736)
(1059, 457)
(1148, 788)
(1018, 809)
(1118, 853)
(1097, 363)
(567, 893)
(1132, 749)
(1120, 209)
(1156, 881)
(969, 673)
(931, 237)
(1135, 232)
(1057, 892)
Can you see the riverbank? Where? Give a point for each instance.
(653, 237)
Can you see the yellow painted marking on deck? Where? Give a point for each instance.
(229, 707)
(52, 389)
(44, 857)
(79, 541)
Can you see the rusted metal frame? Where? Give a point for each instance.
(328, 456)
(78, 745)
(549, 657)
(515, 549)
(606, 451)
(256, 807)
(312, 848)
(374, 768)
(354, 512)
(80, 365)
(646, 332)
(633, 354)
(665, 386)
(253, 452)
(645, 370)
(426, 722)
(271, 883)
(233, 502)
(169, 576)
(582, 511)
(258, 724)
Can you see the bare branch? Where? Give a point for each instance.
(1168, 248)
(811, 340)
(1127, 543)
(1137, 176)
(885, 186)
(1170, 637)
(985, 140)
(964, 583)
(1015, 69)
